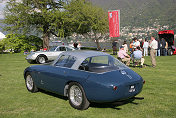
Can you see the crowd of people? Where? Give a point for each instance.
(138, 49)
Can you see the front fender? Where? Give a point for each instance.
(25, 71)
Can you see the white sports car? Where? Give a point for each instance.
(41, 57)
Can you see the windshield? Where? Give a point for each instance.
(101, 64)
(53, 48)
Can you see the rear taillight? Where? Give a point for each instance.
(115, 88)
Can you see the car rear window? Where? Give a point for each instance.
(101, 64)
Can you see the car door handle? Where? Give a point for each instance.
(65, 72)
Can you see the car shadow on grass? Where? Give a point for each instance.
(115, 105)
(53, 94)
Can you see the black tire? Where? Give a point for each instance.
(30, 85)
(31, 61)
(41, 59)
(77, 97)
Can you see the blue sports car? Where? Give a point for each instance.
(84, 77)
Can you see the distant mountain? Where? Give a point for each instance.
(142, 12)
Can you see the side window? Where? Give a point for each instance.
(66, 61)
(71, 60)
(84, 65)
(61, 49)
(62, 60)
(86, 61)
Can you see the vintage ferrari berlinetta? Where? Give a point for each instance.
(85, 77)
(42, 57)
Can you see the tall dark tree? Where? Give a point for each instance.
(34, 15)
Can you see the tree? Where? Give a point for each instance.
(35, 16)
(55, 17)
(88, 20)
(18, 42)
(1, 46)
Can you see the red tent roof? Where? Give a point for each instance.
(166, 32)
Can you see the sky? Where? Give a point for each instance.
(2, 5)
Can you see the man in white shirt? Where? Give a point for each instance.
(136, 43)
(145, 46)
(153, 48)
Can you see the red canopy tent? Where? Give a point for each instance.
(168, 35)
(166, 32)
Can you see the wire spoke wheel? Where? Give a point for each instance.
(29, 82)
(76, 95)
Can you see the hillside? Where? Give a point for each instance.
(142, 12)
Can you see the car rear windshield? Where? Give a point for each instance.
(100, 64)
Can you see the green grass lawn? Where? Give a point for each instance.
(159, 94)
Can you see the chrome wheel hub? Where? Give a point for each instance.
(41, 60)
(29, 82)
(76, 95)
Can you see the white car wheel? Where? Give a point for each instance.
(41, 59)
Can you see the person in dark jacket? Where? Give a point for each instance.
(114, 47)
(163, 45)
(159, 48)
(75, 45)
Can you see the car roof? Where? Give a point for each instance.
(81, 55)
(64, 46)
(84, 53)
